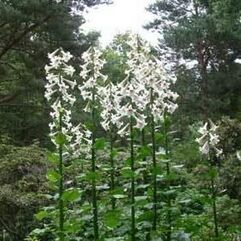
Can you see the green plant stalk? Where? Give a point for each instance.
(112, 181)
(154, 176)
(143, 142)
(61, 187)
(169, 217)
(93, 169)
(215, 219)
(133, 224)
(154, 173)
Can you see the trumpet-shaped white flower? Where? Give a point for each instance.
(147, 85)
(158, 83)
(110, 105)
(91, 74)
(131, 93)
(81, 141)
(58, 92)
(209, 139)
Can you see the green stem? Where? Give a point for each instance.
(153, 137)
(112, 184)
(93, 158)
(143, 142)
(154, 173)
(61, 188)
(215, 219)
(133, 225)
(169, 217)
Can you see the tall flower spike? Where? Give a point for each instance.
(91, 74)
(90, 91)
(209, 139)
(58, 92)
(110, 104)
(158, 81)
(131, 91)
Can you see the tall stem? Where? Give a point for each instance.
(133, 224)
(169, 217)
(93, 158)
(153, 137)
(154, 175)
(215, 219)
(112, 181)
(61, 188)
(143, 142)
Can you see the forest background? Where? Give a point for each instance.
(201, 40)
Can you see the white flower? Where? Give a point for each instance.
(204, 149)
(58, 92)
(238, 154)
(209, 139)
(110, 105)
(69, 70)
(91, 74)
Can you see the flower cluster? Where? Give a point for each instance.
(57, 90)
(209, 139)
(91, 74)
(146, 82)
(110, 105)
(131, 91)
(58, 93)
(158, 83)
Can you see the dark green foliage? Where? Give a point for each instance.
(30, 29)
(22, 188)
(205, 34)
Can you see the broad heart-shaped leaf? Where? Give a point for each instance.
(127, 172)
(119, 196)
(91, 176)
(141, 200)
(112, 218)
(144, 151)
(71, 195)
(60, 138)
(146, 216)
(53, 157)
(41, 215)
(53, 176)
(73, 225)
(100, 143)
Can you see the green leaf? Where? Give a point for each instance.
(141, 200)
(60, 138)
(100, 144)
(53, 176)
(91, 176)
(112, 218)
(71, 195)
(127, 172)
(39, 231)
(166, 161)
(144, 151)
(119, 196)
(41, 215)
(53, 157)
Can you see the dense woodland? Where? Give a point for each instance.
(154, 183)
